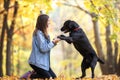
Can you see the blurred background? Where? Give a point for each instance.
(100, 19)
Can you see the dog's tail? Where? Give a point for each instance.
(101, 61)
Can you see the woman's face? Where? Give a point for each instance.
(48, 22)
(49, 28)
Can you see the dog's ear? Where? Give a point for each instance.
(73, 25)
(67, 23)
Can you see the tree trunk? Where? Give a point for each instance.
(109, 51)
(8, 55)
(12, 60)
(98, 43)
(5, 25)
(9, 41)
(1, 50)
(116, 64)
(1, 44)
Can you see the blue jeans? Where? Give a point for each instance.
(41, 73)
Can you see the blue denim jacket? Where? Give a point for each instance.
(40, 54)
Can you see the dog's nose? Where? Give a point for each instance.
(62, 29)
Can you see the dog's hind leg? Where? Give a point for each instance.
(92, 69)
(93, 64)
(83, 68)
(83, 72)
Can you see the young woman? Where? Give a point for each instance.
(39, 59)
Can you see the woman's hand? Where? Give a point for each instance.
(56, 40)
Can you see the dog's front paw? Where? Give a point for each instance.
(61, 36)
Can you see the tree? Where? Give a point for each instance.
(10, 31)
(6, 7)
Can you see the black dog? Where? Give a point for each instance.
(82, 44)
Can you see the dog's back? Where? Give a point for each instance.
(82, 43)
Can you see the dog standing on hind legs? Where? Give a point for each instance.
(82, 45)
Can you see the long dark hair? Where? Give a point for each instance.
(42, 24)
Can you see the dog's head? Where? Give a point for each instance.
(69, 26)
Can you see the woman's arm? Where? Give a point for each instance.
(42, 43)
